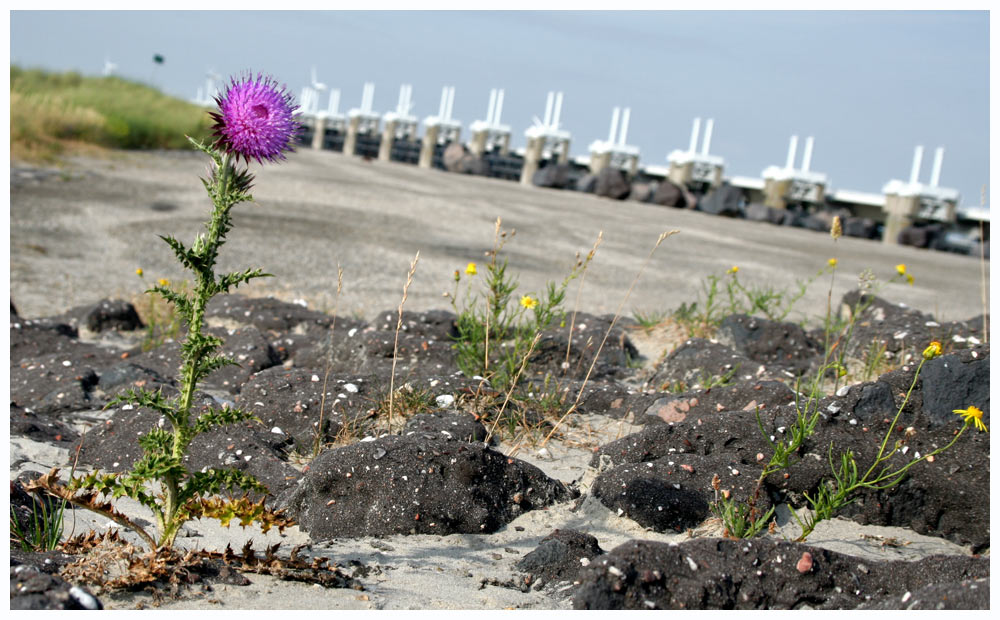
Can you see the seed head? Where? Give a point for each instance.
(835, 229)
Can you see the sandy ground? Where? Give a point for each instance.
(81, 235)
(79, 238)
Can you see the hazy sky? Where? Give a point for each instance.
(869, 86)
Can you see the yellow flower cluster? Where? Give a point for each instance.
(733, 269)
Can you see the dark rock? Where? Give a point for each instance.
(268, 314)
(452, 157)
(31, 588)
(612, 183)
(560, 556)
(862, 227)
(742, 396)
(660, 495)
(922, 236)
(723, 200)
(107, 314)
(699, 362)
(901, 333)
(400, 485)
(755, 574)
(447, 425)
(555, 176)
(113, 446)
(35, 338)
(550, 356)
(60, 382)
(964, 594)
(128, 375)
(40, 427)
(669, 195)
(757, 212)
(587, 183)
(641, 192)
(289, 401)
(778, 345)
(941, 498)
(246, 346)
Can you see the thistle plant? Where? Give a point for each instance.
(255, 120)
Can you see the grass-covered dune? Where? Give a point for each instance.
(56, 113)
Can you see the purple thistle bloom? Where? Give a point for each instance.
(255, 119)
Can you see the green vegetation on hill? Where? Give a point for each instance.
(54, 113)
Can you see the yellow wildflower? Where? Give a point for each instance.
(138, 272)
(972, 414)
(470, 269)
(733, 269)
(458, 276)
(528, 302)
(163, 282)
(832, 262)
(933, 350)
(901, 269)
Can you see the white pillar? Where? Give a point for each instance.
(793, 146)
(807, 155)
(708, 136)
(918, 154)
(938, 160)
(695, 128)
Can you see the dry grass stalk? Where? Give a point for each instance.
(395, 345)
(513, 384)
(614, 320)
(329, 362)
(579, 290)
(982, 271)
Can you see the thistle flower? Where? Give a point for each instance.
(836, 231)
(933, 350)
(255, 119)
(470, 269)
(528, 302)
(973, 415)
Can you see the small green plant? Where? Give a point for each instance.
(744, 519)
(255, 120)
(45, 530)
(163, 322)
(495, 329)
(724, 295)
(648, 321)
(833, 495)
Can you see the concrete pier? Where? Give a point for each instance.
(532, 157)
(689, 168)
(427, 147)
